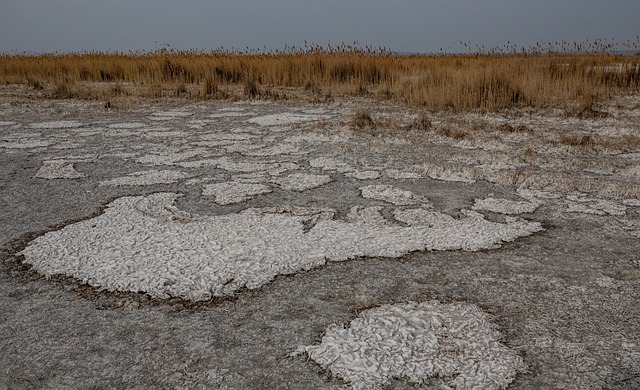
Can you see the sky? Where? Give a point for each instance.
(425, 26)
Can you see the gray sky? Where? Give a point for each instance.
(401, 25)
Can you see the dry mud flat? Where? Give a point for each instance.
(274, 245)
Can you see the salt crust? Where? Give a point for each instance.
(58, 169)
(127, 125)
(287, 118)
(330, 164)
(504, 206)
(171, 114)
(301, 181)
(25, 144)
(363, 175)
(8, 123)
(276, 150)
(169, 158)
(231, 114)
(145, 244)
(453, 344)
(393, 195)
(631, 202)
(56, 125)
(398, 175)
(580, 203)
(145, 178)
(234, 191)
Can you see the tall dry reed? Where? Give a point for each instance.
(436, 82)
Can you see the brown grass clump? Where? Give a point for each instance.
(507, 128)
(576, 82)
(362, 121)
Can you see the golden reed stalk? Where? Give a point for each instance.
(435, 82)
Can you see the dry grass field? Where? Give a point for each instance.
(488, 82)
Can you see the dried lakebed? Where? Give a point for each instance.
(370, 258)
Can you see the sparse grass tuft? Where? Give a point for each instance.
(362, 121)
(421, 123)
(507, 128)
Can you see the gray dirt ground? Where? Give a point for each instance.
(566, 298)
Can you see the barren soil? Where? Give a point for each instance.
(231, 244)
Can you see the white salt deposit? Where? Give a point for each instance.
(287, 118)
(145, 178)
(536, 195)
(7, 123)
(231, 114)
(58, 169)
(162, 133)
(363, 175)
(455, 345)
(504, 206)
(301, 181)
(393, 195)
(169, 158)
(282, 167)
(127, 125)
(145, 244)
(631, 202)
(251, 177)
(244, 147)
(234, 192)
(56, 125)
(398, 175)
(596, 207)
(26, 144)
(276, 150)
(331, 164)
(229, 165)
(241, 166)
(171, 114)
(580, 203)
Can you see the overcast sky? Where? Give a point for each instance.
(400, 25)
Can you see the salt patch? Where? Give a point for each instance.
(127, 125)
(232, 114)
(282, 167)
(596, 207)
(26, 144)
(448, 174)
(56, 125)
(58, 169)
(145, 244)
(504, 206)
(363, 175)
(234, 192)
(251, 177)
(454, 344)
(331, 164)
(145, 178)
(286, 118)
(171, 133)
(241, 166)
(172, 114)
(244, 147)
(229, 165)
(169, 158)
(302, 181)
(398, 175)
(8, 123)
(631, 202)
(276, 150)
(393, 195)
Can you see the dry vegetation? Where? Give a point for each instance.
(577, 82)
